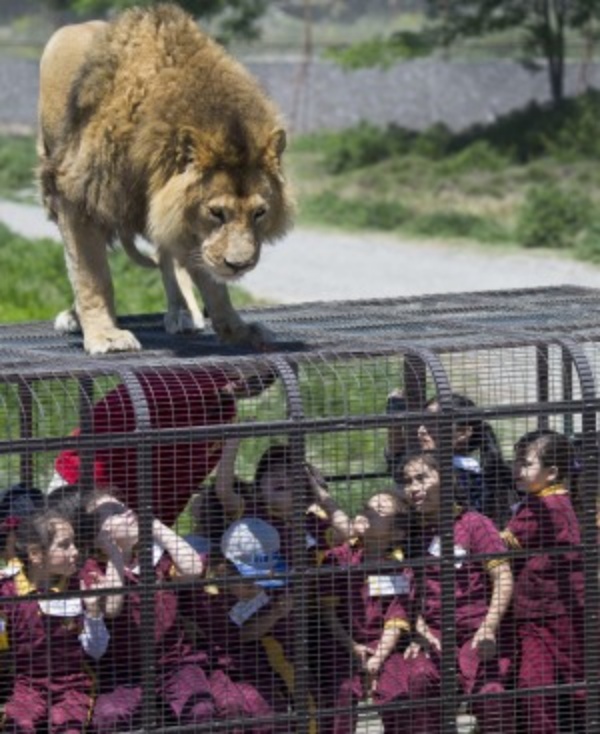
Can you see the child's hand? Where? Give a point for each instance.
(283, 605)
(361, 652)
(484, 641)
(92, 602)
(373, 664)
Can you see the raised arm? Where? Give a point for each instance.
(187, 562)
(231, 501)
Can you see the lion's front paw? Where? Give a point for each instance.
(251, 335)
(182, 321)
(111, 340)
(67, 322)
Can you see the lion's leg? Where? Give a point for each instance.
(87, 264)
(226, 322)
(183, 313)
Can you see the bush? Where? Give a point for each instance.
(459, 224)
(553, 217)
(479, 156)
(329, 208)
(17, 163)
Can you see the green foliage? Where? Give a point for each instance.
(235, 18)
(553, 217)
(34, 282)
(17, 163)
(329, 208)
(384, 52)
(459, 224)
(543, 27)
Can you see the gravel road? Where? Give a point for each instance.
(312, 265)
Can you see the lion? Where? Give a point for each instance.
(149, 127)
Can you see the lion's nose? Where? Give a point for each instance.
(237, 267)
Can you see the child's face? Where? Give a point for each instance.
(428, 438)
(422, 487)
(276, 490)
(61, 557)
(377, 520)
(529, 473)
(118, 522)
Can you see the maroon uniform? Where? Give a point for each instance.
(53, 684)
(182, 683)
(175, 399)
(548, 601)
(366, 603)
(249, 678)
(420, 678)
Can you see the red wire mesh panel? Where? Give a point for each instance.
(388, 523)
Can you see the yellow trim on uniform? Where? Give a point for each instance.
(330, 601)
(552, 490)
(495, 562)
(510, 539)
(282, 666)
(397, 554)
(397, 624)
(316, 510)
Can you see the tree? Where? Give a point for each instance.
(235, 18)
(543, 24)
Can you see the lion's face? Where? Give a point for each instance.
(219, 220)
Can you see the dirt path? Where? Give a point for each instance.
(312, 265)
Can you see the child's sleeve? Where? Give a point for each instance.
(522, 530)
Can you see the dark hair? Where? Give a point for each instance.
(553, 449)
(38, 529)
(429, 458)
(497, 475)
(16, 503)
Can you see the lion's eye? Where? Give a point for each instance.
(260, 213)
(217, 213)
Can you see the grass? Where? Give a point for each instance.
(483, 184)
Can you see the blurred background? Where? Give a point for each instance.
(472, 123)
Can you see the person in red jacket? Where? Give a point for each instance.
(176, 398)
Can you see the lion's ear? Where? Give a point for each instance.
(184, 150)
(277, 143)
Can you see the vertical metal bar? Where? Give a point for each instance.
(85, 387)
(147, 577)
(415, 391)
(567, 389)
(299, 558)
(26, 429)
(589, 495)
(543, 386)
(421, 362)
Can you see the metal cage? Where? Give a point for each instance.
(342, 382)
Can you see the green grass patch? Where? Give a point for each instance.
(34, 283)
(17, 164)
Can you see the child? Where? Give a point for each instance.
(181, 680)
(368, 615)
(483, 478)
(49, 638)
(247, 618)
(272, 499)
(16, 503)
(483, 591)
(548, 599)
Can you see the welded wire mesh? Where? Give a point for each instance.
(337, 535)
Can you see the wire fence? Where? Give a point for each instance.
(386, 523)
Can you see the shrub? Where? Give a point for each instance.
(17, 162)
(553, 217)
(329, 208)
(459, 224)
(479, 156)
